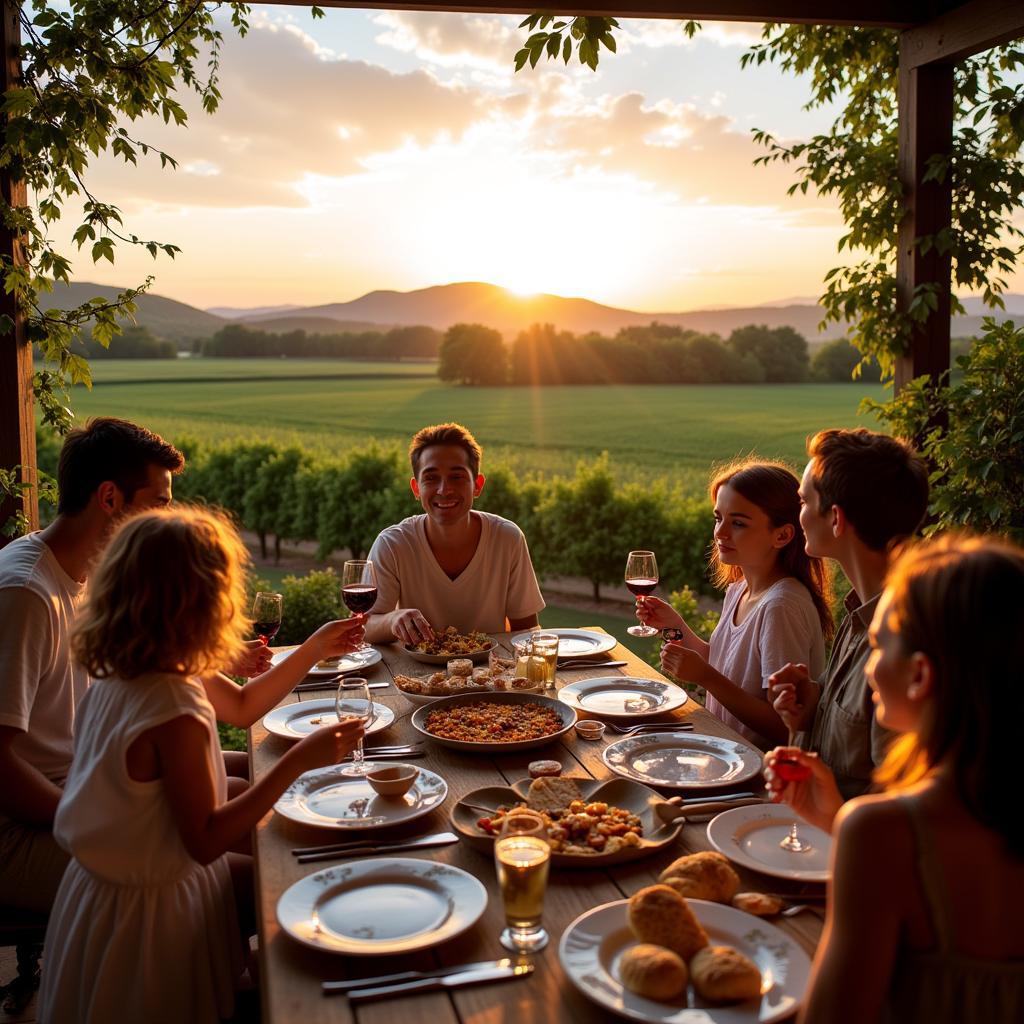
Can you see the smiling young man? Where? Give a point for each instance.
(453, 565)
(861, 494)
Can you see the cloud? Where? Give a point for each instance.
(288, 111)
(452, 40)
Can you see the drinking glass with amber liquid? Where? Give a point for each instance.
(522, 856)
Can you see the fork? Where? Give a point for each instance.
(628, 730)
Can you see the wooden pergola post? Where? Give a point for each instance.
(17, 417)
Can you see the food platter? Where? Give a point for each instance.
(354, 662)
(442, 659)
(565, 714)
(420, 700)
(622, 696)
(293, 721)
(750, 836)
(575, 643)
(682, 761)
(327, 799)
(381, 906)
(592, 947)
(622, 793)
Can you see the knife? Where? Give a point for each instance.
(330, 684)
(485, 974)
(337, 852)
(352, 844)
(568, 663)
(332, 987)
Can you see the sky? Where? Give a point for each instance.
(398, 150)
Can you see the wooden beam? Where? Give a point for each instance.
(962, 32)
(925, 129)
(867, 13)
(17, 418)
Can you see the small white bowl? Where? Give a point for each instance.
(393, 780)
(589, 729)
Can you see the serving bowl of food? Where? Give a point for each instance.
(488, 723)
(461, 677)
(591, 822)
(449, 643)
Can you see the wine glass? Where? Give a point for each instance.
(359, 587)
(522, 857)
(266, 615)
(641, 579)
(353, 701)
(789, 769)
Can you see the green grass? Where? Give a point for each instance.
(650, 430)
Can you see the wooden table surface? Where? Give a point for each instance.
(291, 973)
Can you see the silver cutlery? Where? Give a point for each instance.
(628, 730)
(312, 854)
(450, 981)
(586, 663)
(330, 684)
(798, 908)
(333, 987)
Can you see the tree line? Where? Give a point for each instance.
(652, 354)
(237, 341)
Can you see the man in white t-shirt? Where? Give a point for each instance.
(107, 469)
(452, 566)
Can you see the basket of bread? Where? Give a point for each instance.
(460, 676)
(590, 823)
(688, 942)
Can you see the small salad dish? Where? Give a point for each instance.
(394, 780)
(589, 729)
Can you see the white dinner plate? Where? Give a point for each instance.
(682, 760)
(574, 643)
(751, 835)
(328, 799)
(622, 696)
(592, 946)
(355, 662)
(293, 721)
(380, 906)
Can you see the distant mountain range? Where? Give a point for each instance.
(474, 302)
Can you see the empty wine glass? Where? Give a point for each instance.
(353, 701)
(641, 579)
(789, 769)
(266, 615)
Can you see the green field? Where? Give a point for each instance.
(649, 430)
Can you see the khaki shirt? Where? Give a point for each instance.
(845, 732)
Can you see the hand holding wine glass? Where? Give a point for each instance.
(641, 579)
(815, 796)
(353, 701)
(266, 615)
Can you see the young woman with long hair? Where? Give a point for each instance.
(777, 601)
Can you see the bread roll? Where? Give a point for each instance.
(757, 903)
(721, 974)
(658, 914)
(702, 876)
(653, 972)
(549, 794)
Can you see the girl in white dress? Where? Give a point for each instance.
(144, 926)
(776, 607)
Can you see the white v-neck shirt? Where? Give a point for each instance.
(498, 583)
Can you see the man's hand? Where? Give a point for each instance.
(682, 663)
(335, 639)
(253, 662)
(410, 626)
(816, 799)
(794, 695)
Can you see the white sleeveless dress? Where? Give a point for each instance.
(139, 930)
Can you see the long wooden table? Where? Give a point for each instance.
(291, 973)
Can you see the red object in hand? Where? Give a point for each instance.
(790, 770)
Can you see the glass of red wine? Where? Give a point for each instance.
(641, 579)
(789, 769)
(358, 585)
(266, 615)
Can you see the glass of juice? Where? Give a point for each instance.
(543, 659)
(522, 857)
